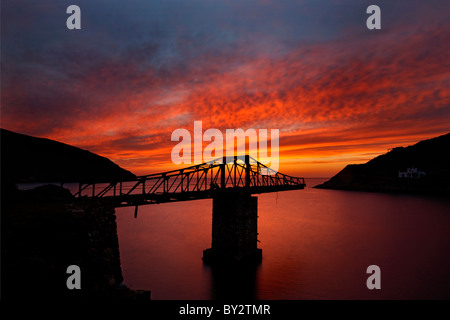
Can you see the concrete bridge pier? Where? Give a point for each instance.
(234, 228)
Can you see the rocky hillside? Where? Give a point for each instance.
(428, 162)
(29, 159)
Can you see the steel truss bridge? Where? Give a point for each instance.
(202, 181)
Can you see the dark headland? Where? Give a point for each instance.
(31, 159)
(45, 230)
(423, 168)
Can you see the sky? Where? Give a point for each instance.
(338, 92)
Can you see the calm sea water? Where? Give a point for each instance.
(317, 244)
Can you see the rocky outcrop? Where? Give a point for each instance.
(423, 168)
(30, 159)
(44, 231)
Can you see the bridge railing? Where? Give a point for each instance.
(219, 174)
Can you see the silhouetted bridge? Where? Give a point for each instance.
(230, 183)
(202, 181)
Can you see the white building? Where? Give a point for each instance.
(411, 173)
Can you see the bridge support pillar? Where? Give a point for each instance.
(234, 228)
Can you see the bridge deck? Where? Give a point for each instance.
(154, 198)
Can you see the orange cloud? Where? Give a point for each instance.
(335, 103)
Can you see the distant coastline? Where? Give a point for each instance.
(423, 168)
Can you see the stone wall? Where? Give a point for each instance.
(234, 227)
(44, 231)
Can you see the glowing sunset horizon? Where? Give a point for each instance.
(338, 92)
